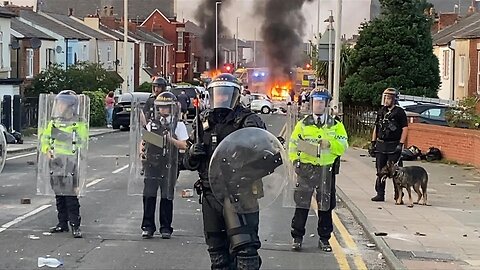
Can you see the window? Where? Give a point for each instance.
(29, 69)
(50, 59)
(461, 75)
(69, 56)
(446, 64)
(478, 72)
(84, 53)
(180, 41)
(434, 113)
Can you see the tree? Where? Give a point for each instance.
(79, 77)
(321, 67)
(394, 50)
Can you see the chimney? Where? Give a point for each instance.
(110, 11)
(6, 3)
(70, 12)
(105, 12)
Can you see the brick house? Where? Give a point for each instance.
(174, 32)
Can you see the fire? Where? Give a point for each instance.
(281, 90)
(211, 73)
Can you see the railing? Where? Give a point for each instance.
(29, 112)
(359, 120)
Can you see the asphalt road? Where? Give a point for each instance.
(111, 223)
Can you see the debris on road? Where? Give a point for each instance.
(33, 237)
(47, 233)
(420, 234)
(371, 245)
(381, 234)
(187, 193)
(50, 262)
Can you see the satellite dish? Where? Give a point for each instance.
(15, 44)
(35, 43)
(59, 49)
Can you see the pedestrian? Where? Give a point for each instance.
(160, 164)
(63, 145)
(246, 98)
(109, 102)
(388, 138)
(184, 101)
(316, 143)
(228, 246)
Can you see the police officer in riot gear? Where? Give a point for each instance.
(316, 171)
(156, 160)
(60, 142)
(388, 137)
(225, 116)
(159, 85)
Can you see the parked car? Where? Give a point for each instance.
(429, 113)
(261, 103)
(122, 109)
(191, 92)
(11, 137)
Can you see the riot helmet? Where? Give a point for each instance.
(390, 97)
(159, 85)
(319, 100)
(166, 108)
(65, 105)
(224, 92)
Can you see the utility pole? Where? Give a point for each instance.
(338, 50)
(236, 47)
(255, 47)
(330, 54)
(318, 42)
(126, 70)
(216, 34)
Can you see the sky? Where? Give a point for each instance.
(354, 12)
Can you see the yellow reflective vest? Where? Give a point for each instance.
(59, 136)
(307, 133)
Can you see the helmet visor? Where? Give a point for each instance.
(223, 97)
(65, 107)
(319, 105)
(166, 112)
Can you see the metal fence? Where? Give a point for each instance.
(359, 120)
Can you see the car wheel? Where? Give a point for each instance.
(265, 110)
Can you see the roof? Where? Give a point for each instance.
(439, 5)
(114, 33)
(192, 27)
(28, 31)
(151, 37)
(465, 25)
(5, 13)
(229, 44)
(55, 27)
(81, 8)
(79, 26)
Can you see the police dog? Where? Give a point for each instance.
(407, 177)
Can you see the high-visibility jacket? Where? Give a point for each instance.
(59, 137)
(306, 137)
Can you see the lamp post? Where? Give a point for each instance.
(216, 33)
(125, 43)
(236, 47)
(338, 49)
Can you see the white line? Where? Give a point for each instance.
(21, 156)
(20, 218)
(94, 182)
(120, 169)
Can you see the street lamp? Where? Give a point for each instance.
(216, 34)
(338, 49)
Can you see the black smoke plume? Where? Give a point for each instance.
(205, 15)
(282, 31)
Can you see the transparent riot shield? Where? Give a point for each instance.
(3, 150)
(247, 170)
(153, 155)
(63, 132)
(309, 184)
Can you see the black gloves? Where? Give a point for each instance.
(371, 148)
(197, 151)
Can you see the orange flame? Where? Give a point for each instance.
(280, 90)
(211, 73)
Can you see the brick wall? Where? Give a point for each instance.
(456, 144)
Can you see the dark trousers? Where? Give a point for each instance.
(325, 224)
(223, 245)
(166, 214)
(381, 160)
(68, 209)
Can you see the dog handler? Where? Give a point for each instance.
(388, 137)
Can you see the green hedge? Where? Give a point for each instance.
(145, 87)
(97, 108)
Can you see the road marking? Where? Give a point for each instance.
(20, 218)
(359, 263)
(94, 182)
(120, 169)
(339, 253)
(21, 156)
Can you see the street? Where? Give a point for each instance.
(111, 223)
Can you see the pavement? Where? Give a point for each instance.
(111, 223)
(30, 142)
(445, 235)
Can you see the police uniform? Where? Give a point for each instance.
(311, 169)
(223, 246)
(389, 127)
(57, 139)
(157, 174)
